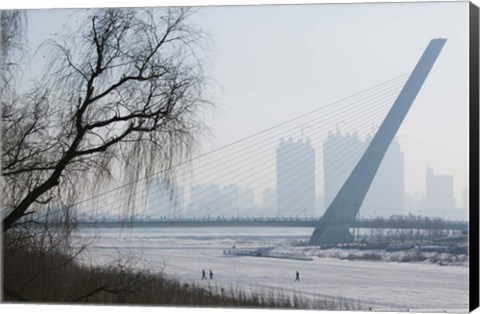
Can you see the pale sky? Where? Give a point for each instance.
(272, 63)
(281, 61)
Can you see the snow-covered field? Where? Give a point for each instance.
(381, 285)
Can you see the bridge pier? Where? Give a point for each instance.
(334, 233)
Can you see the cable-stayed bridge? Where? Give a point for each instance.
(229, 180)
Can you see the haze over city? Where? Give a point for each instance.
(329, 58)
(269, 64)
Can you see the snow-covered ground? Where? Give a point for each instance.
(381, 285)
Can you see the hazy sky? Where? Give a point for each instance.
(276, 62)
(272, 63)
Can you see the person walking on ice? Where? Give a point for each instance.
(297, 276)
(211, 274)
(203, 274)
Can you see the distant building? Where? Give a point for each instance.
(439, 197)
(295, 173)
(341, 152)
(229, 200)
(165, 199)
(204, 199)
(246, 200)
(386, 195)
(466, 200)
(212, 200)
(414, 202)
(269, 202)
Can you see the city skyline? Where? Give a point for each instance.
(317, 69)
(385, 197)
(264, 77)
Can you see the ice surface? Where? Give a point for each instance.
(182, 254)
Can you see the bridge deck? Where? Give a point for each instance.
(298, 223)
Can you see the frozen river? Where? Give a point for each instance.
(183, 253)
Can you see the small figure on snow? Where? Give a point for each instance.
(297, 277)
(203, 274)
(211, 274)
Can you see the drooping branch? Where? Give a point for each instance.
(127, 82)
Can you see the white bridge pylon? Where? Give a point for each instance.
(338, 219)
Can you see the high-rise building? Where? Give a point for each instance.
(386, 195)
(295, 170)
(341, 152)
(439, 196)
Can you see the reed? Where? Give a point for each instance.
(48, 275)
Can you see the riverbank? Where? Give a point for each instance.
(33, 275)
(366, 283)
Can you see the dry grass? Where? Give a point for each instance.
(40, 275)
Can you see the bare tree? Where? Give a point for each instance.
(125, 91)
(12, 39)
